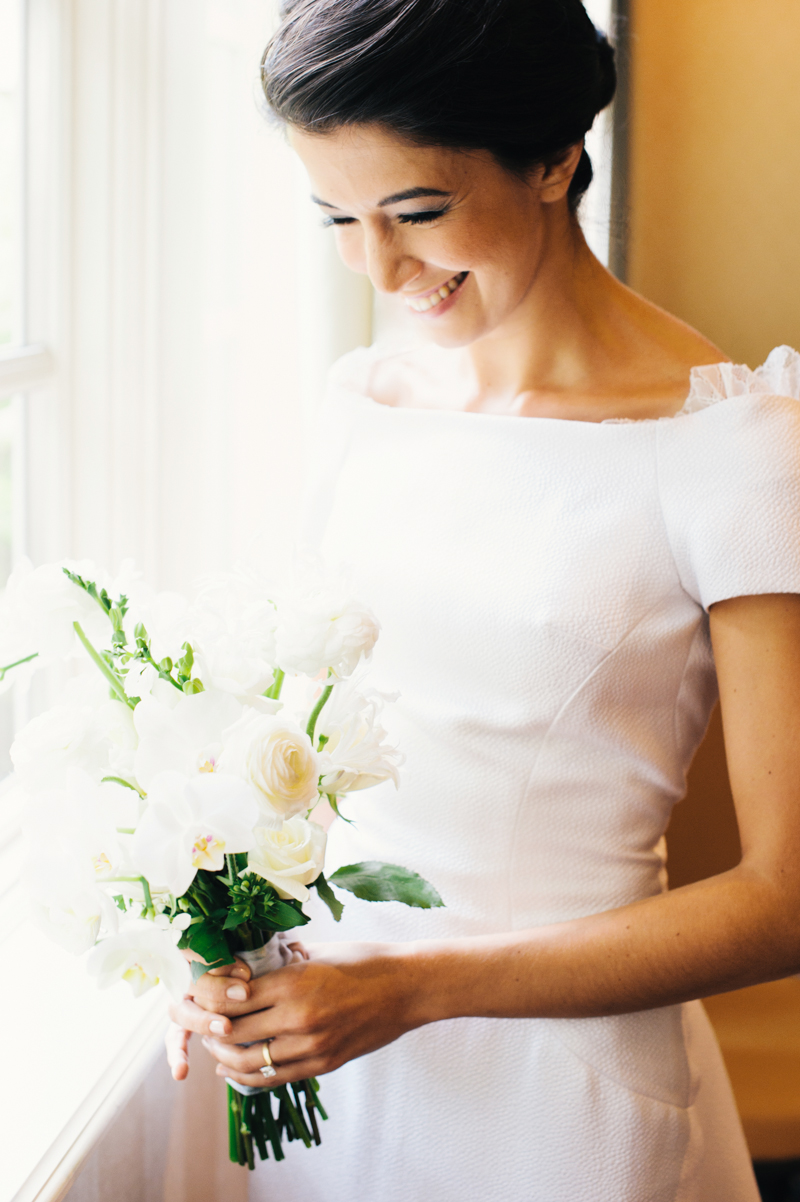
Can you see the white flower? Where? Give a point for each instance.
(192, 823)
(274, 755)
(356, 754)
(74, 846)
(290, 858)
(141, 954)
(322, 627)
(185, 737)
(92, 738)
(233, 624)
(39, 607)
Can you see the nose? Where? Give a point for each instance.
(389, 266)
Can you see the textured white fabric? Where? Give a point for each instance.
(541, 585)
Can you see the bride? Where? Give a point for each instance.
(578, 523)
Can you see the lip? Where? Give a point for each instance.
(443, 306)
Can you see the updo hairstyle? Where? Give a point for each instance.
(523, 79)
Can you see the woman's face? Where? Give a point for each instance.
(452, 233)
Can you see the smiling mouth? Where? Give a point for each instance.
(422, 303)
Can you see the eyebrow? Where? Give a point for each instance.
(395, 198)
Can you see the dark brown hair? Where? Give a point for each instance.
(523, 79)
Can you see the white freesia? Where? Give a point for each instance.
(165, 616)
(38, 610)
(289, 858)
(274, 755)
(96, 739)
(192, 823)
(233, 623)
(142, 954)
(356, 754)
(322, 627)
(184, 737)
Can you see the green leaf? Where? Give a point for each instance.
(329, 897)
(207, 940)
(375, 881)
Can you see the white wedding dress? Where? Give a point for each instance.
(542, 587)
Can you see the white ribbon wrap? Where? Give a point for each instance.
(272, 955)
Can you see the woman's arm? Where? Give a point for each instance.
(736, 929)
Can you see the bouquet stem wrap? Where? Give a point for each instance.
(252, 1121)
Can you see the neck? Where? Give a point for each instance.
(550, 344)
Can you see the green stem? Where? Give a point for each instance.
(126, 830)
(274, 690)
(16, 664)
(317, 710)
(118, 780)
(112, 679)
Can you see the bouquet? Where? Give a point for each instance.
(169, 794)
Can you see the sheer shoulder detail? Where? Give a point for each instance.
(778, 376)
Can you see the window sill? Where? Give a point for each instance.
(74, 1054)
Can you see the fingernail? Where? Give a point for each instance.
(206, 1042)
(237, 993)
(240, 971)
(216, 1027)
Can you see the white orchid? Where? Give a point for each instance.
(184, 736)
(323, 627)
(275, 756)
(74, 846)
(98, 739)
(356, 754)
(192, 823)
(289, 858)
(142, 954)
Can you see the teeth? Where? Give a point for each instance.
(422, 303)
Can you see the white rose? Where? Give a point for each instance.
(290, 858)
(356, 754)
(322, 627)
(274, 755)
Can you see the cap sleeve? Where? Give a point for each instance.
(729, 483)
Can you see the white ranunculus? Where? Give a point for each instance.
(274, 755)
(233, 624)
(192, 822)
(323, 627)
(92, 738)
(39, 607)
(356, 754)
(143, 955)
(290, 858)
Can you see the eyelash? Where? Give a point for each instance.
(405, 218)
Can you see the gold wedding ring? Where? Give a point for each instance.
(269, 1069)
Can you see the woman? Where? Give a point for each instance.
(568, 558)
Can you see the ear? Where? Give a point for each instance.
(555, 181)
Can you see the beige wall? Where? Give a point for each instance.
(715, 238)
(715, 187)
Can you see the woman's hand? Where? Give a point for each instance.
(343, 1001)
(177, 1037)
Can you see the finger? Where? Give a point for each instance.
(237, 969)
(221, 994)
(194, 1018)
(299, 951)
(177, 1044)
(249, 1060)
(299, 1070)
